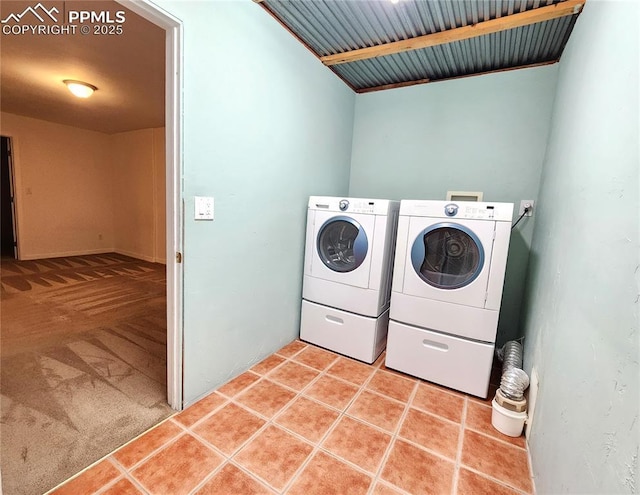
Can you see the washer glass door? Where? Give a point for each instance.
(342, 244)
(447, 256)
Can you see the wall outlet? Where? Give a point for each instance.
(526, 203)
(534, 384)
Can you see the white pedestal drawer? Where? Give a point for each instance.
(454, 362)
(356, 336)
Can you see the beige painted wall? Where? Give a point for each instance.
(63, 206)
(83, 192)
(134, 192)
(160, 194)
(139, 193)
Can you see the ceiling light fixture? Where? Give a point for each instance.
(79, 88)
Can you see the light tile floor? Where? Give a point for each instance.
(308, 421)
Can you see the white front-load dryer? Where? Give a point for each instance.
(347, 274)
(447, 289)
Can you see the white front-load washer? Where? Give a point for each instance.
(447, 289)
(347, 274)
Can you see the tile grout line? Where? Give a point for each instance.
(531, 473)
(208, 477)
(316, 445)
(429, 450)
(501, 482)
(225, 401)
(497, 481)
(298, 393)
(185, 431)
(363, 388)
(137, 484)
(245, 442)
(483, 474)
(271, 421)
(394, 436)
(125, 475)
(373, 426)
(253, 368)
(109, 484)
(144, 459)
(497, 439)
(148, 457)
(226, 458)
(229, 459)
(237, 402)
(438, 416)
(252, 475)
(458, 462)
(341, 413)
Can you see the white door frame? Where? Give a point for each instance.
(173, 130)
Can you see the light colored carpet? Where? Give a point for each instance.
(83, 363)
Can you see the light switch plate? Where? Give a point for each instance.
(203, 208)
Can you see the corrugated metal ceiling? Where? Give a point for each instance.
(417, 41)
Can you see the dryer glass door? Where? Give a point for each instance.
(342, 244)
(447, 256)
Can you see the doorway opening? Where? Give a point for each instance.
(174, 203)
(94, 356)
(8, 241)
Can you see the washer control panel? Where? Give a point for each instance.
(353, 205)
(450, 210)
(357, 206)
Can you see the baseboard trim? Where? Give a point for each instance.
(150, 259)
(42, 256)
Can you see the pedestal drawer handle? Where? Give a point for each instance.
(435, 345)
(334, 319)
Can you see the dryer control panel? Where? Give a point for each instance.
(476, 210)
(486, 212)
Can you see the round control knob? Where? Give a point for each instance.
(451, 210)
(344, 204)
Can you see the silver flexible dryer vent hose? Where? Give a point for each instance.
(511, 355)
(514, 380)
(513, 383)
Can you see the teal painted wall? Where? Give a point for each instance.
(581, 310)
(265, 126)
(486, 133)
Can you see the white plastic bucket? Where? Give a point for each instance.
(507, 422)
